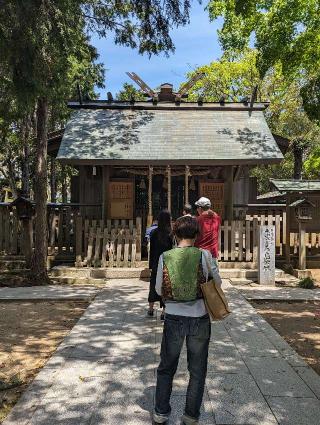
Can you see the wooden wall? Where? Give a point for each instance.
(90, 192)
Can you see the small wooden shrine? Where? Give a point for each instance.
(137, 158)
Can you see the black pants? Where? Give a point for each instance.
(197, 332)
(153, 296)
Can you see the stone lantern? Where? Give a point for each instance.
(303, 212)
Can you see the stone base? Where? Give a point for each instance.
(302, 274)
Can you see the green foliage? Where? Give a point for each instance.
(284, 31)
(143, 24)
(266, 172)
(288, 30)
(306, 283)
(130, 92)
(312, 164)
(234, 77)
(310, 93)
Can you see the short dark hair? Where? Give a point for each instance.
(206, 208)
(187, 208)
(186, 228)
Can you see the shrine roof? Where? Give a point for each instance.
(166, 133)
(296, 185)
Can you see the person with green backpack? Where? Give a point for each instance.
(181, 271)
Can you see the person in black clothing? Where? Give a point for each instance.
(161, 240)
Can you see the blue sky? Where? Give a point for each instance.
(196, 44)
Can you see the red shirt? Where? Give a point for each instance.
(208, 239)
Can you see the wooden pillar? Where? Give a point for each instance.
(302, 246)
(53, 181)
(186, 185)
(150, 216)
(229, 193)
(105, 192)
(169, 187)
(287, 230)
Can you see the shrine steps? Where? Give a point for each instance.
(90, 275)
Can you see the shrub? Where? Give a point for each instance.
(306, 283)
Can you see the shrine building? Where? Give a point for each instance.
(136, 158)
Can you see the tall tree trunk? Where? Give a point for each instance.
(25, 135)
(39, 261)
(53, 181)
(11, 175)
(298, 160)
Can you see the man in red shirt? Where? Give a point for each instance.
(209, 223)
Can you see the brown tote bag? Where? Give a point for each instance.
(214, 298)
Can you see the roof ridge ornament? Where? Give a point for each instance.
(166, 93)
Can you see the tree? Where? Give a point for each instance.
(129, 92)
(235, 78)
(285, 32)
(312, 164)
(38, 38)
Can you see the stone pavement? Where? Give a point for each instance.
(48, 293)
(104, 370)
(278, 293)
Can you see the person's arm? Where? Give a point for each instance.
(211, 271)
(159, 277)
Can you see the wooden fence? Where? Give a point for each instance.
(118, 244)
(61, 232)
(10, 233)
(238, 239)
(312, 241)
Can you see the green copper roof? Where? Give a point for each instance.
(296, 185)
(205, 136)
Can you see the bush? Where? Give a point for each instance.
(306, 283)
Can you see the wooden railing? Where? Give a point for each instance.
(238, 239)
(118, 244)
(10, 232)
(312, 244)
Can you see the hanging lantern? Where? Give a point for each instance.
(142, 185)
(192, 184)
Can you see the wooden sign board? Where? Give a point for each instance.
(121, 200)
(215, 192)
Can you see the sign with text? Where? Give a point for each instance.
(121, 200)
(266, 255)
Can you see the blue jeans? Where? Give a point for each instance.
(197, 332)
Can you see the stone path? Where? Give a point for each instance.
(48, 293)
(104, 371)
(277, 293)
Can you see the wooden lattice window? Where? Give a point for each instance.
(215, 192)
(121, 200)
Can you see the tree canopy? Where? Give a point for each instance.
(282, 31)
(44, 45)
(285, 115)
